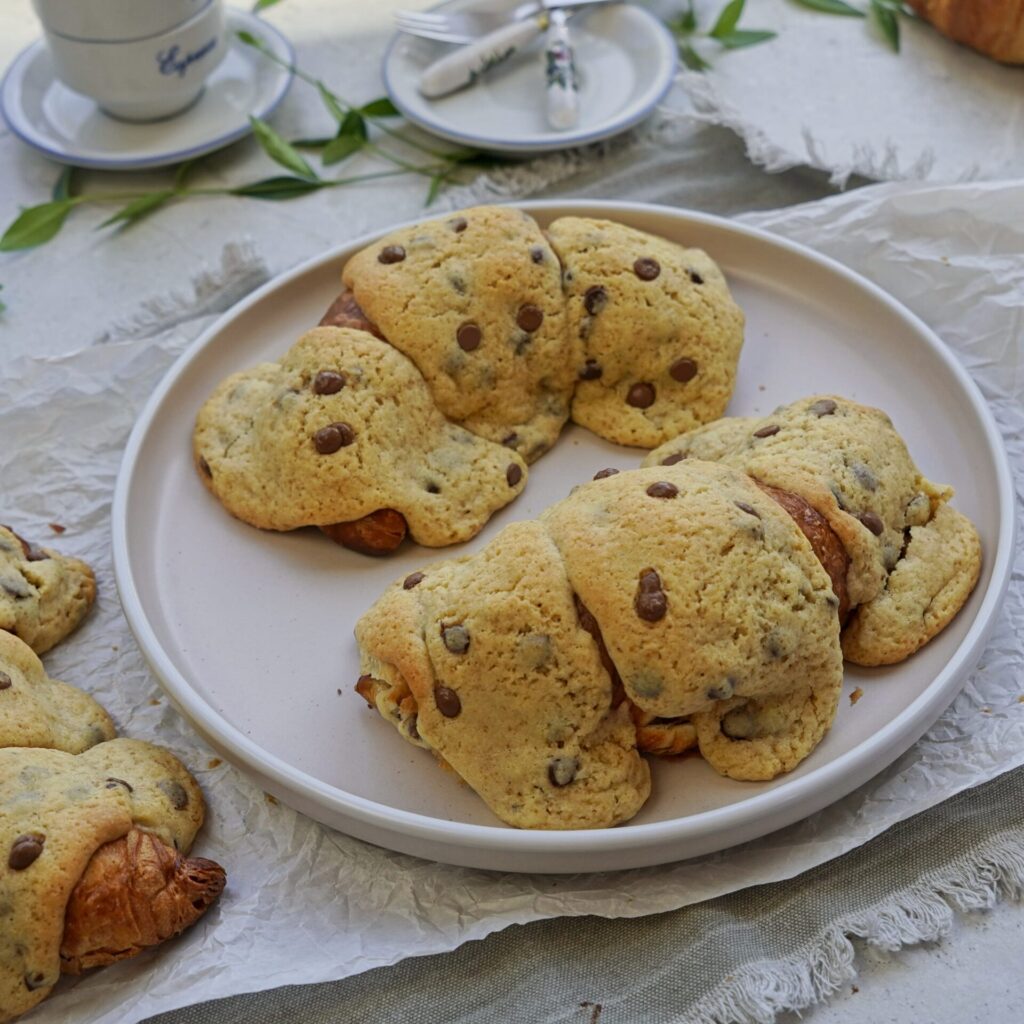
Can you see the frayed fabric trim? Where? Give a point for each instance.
(757, 992)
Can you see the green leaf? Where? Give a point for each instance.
(728, 19)
(380, 108)
(262, 5)
(741, 37)
(437, 182)
(354, 124)
(138, 208)
(340, 147)
(249, 39)
(283, 187)
(35, 225)
(183, 171)
(887, 21)
(279, 150)
(332, 103)
(64, 186)
(832, 7)
(691, 58)
(313, 143)
(3, 305)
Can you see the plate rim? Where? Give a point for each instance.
(765, 806)
(15, 74)
(537, 144)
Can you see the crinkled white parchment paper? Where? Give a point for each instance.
(829, 92)
(305, 904)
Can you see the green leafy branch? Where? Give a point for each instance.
(884, 13)
(725, 32)
(37, 225)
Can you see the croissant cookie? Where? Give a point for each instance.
(94, 833)
(913, 559)
(43, 595)
(497, 333)
(992, 27)
(680, 592)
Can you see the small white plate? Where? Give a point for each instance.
(626, 60)
(70, 127)
(250, 631)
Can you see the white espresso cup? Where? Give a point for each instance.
(114, 21)
(144, 79)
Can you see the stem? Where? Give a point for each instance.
(387, 129)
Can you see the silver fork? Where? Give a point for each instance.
(465, 26)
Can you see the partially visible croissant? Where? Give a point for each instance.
(136, 892)
(992, 27)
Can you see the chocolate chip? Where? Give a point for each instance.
(738, 724)
(602, 474)
(25, 850)
(662, 489)
(683, 370)
(595, 298)
(468, 336)
(641, 396)
(671, 460)
(529, 318)
(34, 981)
(537, 254)
(864, 476)
(824, 407)
(433, 488)
(456, 638)
(412, 580)
(447, 701)
(411, 726)
(872, 522)
(646, 268)
(562, 770)
(591, 370)
(391, 254)
(458, 225)
(328, 382)
(723, 691)
(329, 439)
(770, 431)
(205, 467)
(5, 681)
(513, 474)
(113, 783)
(749, 509)
(695, 277)
(650, 601)
(175, 792)
(510, 440)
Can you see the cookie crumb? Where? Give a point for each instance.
(986, 710)
(761, 387)
(856, 695)
(272, 799)
(214, 762)
(854, 990)
(57, 528)
(154, 701)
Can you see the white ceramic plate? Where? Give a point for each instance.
(251, 632)
(626, 60)
(70, 128)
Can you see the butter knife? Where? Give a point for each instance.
(563, 101)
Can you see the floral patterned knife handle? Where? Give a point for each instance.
(560, 73)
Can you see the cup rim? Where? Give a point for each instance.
(134, 39)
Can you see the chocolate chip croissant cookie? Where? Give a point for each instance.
(93, 836)
(903, 560)
(679, 592)
(43, 595)
(93, 866)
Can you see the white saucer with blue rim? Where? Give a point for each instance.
(625, 57)
(70, 127)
